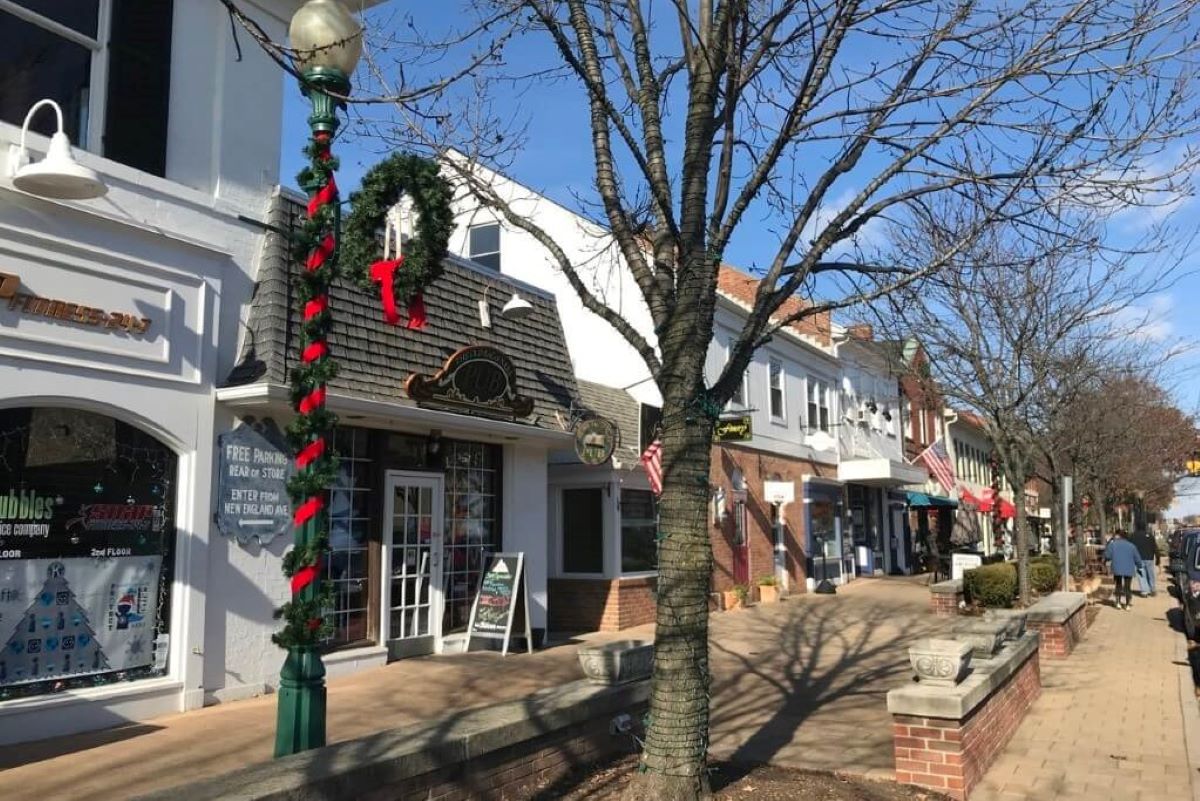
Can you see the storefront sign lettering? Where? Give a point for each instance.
(252, 499)
(477, 379)
(36, 306)
(734, 429)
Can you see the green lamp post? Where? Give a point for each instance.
(327, 42)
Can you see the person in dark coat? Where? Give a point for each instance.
(1148, 551)
(1124, 560)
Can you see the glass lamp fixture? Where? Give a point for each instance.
(326, 35)
(58, 175)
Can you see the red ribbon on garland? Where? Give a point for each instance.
(382, 273)
(303, 577)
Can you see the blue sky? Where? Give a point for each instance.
(556, 160)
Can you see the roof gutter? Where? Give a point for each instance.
(388, 414)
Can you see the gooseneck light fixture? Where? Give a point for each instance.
(58, 175)
(326, 40)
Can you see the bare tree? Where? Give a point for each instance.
(822, 117)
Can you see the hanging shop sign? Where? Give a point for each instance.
(779, 491)
(477, 379)
(253, 470)
(595, 440)
(501, 602)
(733, 429)
(31, 305)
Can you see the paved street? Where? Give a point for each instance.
(799, 683)
(1108, 724)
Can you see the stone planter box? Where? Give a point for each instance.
(617, 662)
(940, 663)
(1014, 618)
(768, 593)
(984, 636)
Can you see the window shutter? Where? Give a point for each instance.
(139, 84)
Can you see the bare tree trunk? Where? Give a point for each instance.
(673, 760)
(1021, 544)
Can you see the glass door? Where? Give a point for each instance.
(412, 556)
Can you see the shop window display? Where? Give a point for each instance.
(472, 524)
(87, 547)
(350, 525)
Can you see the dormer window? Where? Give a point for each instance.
(106, 62)
(483, 244)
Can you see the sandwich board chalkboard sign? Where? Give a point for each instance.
(502, 595)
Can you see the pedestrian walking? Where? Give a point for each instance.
(1123, 559)
(1148, 567)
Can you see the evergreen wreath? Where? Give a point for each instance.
(382, 187)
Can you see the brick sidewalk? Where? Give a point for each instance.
(801, 683)
(1109, 722)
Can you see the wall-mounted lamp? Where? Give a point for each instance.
(58, 175)
(517, 308)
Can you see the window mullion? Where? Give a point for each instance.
(58, 28)
(98, 94)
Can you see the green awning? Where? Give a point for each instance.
(924, 499)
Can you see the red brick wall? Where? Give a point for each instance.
(952, 756)
(521, 771)
(757, 467)
(1058, 640)
(600, 604)
(943, 604)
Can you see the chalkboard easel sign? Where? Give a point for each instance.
(502, 594)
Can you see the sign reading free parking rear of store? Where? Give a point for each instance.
(252, 499)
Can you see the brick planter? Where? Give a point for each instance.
(946, 738)
(1061, 620)
(945, 598)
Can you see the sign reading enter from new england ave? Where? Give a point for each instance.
(252, 499)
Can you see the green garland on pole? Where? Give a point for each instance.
(382, 188)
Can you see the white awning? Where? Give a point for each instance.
(880, 472)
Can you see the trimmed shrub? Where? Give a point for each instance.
(1045, 575)
(992, 585)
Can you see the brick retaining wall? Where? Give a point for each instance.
(945, 597)
(601, 604)
(510, 751)
(1059, 633)
(951, 755)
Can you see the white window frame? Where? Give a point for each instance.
(92, 129)
(620, 534)
(605, 526)
(744, 387)
(781, 418)
(822, 390)
(498, 252)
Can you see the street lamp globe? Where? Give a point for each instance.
(325, 35)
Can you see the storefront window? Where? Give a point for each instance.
(87, 551)
(639, 531)
(347, 566)
(472, 524)
(583, 530)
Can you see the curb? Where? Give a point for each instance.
(1190, 708)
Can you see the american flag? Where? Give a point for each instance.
(938, 462)
(652, 463)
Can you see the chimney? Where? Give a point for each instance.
(861, 331)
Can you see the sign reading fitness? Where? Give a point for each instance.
(37, 306)
(86, 547)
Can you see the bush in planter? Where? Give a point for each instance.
(992, 585)
(1045, 575)
(742, 592)
(766, 581)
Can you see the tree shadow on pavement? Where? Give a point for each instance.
(811, 692)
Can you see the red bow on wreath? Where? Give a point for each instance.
(383, 273)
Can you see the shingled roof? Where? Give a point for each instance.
(375, 359)
(621, 408)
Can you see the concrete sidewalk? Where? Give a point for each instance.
(801, 683)
(1109, 723)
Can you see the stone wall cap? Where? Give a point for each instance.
(1057, 607)
(951, 587)
(957, 703)
(357, 767)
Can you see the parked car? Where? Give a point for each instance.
(1184, 551)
